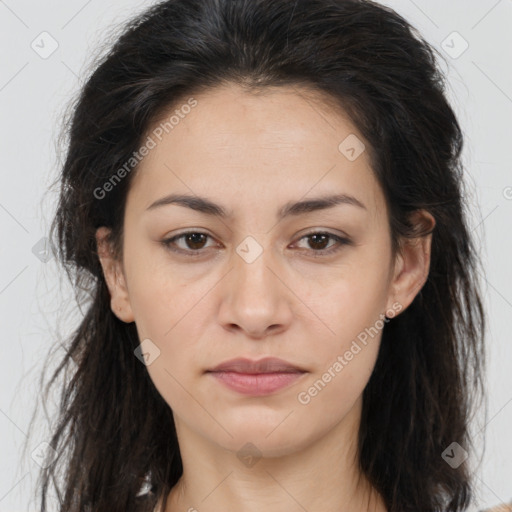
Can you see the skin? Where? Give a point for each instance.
(252, 154)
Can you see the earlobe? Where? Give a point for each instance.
(114, 277)
(413, 262)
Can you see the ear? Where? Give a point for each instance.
(114, 277)
(412, 263)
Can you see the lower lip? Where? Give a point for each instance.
(257, 384)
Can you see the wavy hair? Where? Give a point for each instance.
(113, 428)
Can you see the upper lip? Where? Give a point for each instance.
(266, 365)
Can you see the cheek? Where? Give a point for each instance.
(355, 300)
(352, 310)
(155, 294)
(344, 360)
(170, 312)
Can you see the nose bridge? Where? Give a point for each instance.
(251, 270)
(255, 299)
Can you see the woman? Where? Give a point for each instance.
(263, 200)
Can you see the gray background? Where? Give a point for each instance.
(34, 92)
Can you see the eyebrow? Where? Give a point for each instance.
(208, 207)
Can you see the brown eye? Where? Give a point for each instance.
(318, 242)
(193, 241)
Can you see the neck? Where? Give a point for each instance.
(323, 476)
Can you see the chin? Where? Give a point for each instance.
(260, 439)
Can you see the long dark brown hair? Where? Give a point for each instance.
(114, 428)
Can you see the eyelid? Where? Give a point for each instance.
(341, 240)
(168, 241)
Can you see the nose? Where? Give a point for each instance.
(255, 297)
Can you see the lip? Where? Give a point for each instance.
(249, 366)
(257, 378)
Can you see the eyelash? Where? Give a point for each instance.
(195, 253)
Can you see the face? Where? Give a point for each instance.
(280, 273)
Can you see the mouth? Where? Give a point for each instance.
(257, 378)
(249, 366)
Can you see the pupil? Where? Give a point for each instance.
(195, 238)
(323, 237)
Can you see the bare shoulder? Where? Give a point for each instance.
(504, 507)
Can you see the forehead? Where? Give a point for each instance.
(274, 117)
(278, 142)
